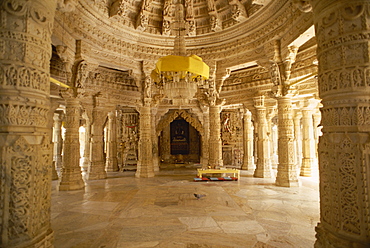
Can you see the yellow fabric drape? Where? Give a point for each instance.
(192, 64)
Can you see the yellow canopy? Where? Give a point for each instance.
(192, 64)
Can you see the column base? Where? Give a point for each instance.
(144, 171)
(111, 165)
(97, 175)
(71, 179)
(306, 167)
(263, 171)
(248, 165)
(54, 174)
(327, 239)
(287, 183)
(97, 171)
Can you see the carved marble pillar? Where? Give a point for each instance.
(287, 174)
(215, 142)
(25, 142)
(263, 164)
(25, 124)
(97, 161)
(145, 164)
(111, 163)
(308, 143)
(58, 141)
(248, 162)
(71, 178)
(205, 141)
(155, 147)
(298, 136)
(317, 132)
(342, 31)
(86, 160)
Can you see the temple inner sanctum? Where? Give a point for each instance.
(184, 123)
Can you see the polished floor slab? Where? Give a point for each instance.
(124, 211)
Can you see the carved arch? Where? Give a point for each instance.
(172, 115)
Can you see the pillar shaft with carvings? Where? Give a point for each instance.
(287, 175)
(248, 162)
(25, 142)
(342, 33)
(308, 143)
(71, 178)
(97, 162)
(263, 164)
(111, 163)
(58, 141)
(205, 141)
(215, 142)
(298, 136)
(86, 160)
(145, 164)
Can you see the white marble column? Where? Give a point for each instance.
(111, 162)
(155, 147)
(145, 166)
(287, 174)
(205, 140)
(317, 132)
(215, 142)
(71, 178)
(308, 143)
(86, 160)
(248, 160)
(342, 34)
(25, 134)
(97, 164)
(298, 136)
(58, 141)
(263, 164)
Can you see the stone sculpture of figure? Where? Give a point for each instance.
(82, 73)
(275, 74)
(147, 88)
(166, 27)
(214, 23)
(143, 21)
(122, 9)
(226, 123)
(189, 9)
(211, 5)
(235, 12)
(167, 8)
(191, 28)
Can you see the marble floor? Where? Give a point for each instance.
(124, 211)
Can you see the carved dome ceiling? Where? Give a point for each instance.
(201, 16)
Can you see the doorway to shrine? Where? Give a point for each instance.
(179, 143)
